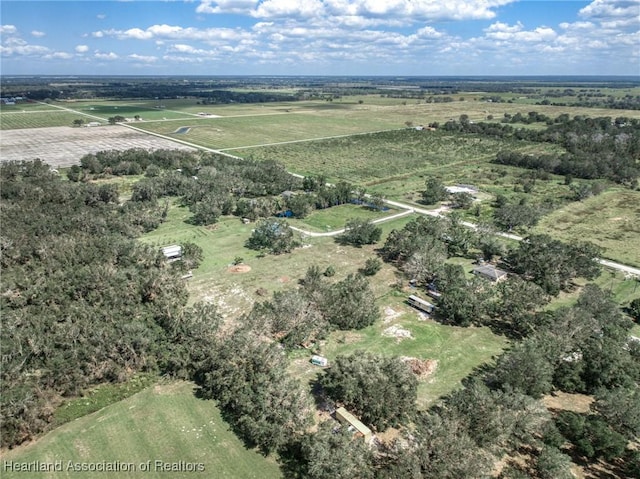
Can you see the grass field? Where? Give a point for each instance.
(165, 422)
(235, 292)
(458, 351)
(610, 220)
(374, 158)
(335, 218)
(38, 119)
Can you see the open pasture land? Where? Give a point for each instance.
(373, 158)
(38, 119)
(65, 145)
(610, 220)
(457, 350)
(234, 292)
(263, 129)
(145, 109)
(165, 422)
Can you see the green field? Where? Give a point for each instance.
(39, 119)
(373, 158)
(335, 218)
(165, 422)
(235, 292)
(458, 351)
(610, 220)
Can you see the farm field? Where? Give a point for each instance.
(38, 119)
(165, 422)
(375, 158)
(610, 220)
(66, 145)
(244, 131)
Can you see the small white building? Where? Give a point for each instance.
(319, 361)
(172, 253)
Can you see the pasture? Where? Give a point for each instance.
(233, 292)
(457, 351)
(372, 159)
(165, 422)
(610, 220)
(335, 218)
(38, 119)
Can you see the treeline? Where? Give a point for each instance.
(213, 185)
(214, 97)
(595, 147)
(82, 302)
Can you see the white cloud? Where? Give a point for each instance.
(101, 16)
(358, 11)
(289, 8)
(97, 34)
(227, 6)
(143, 58)
(106, 56)
(58, 56)
(8, 29)
(504, 32)
(25, 50)
(607, 9)
(82, 48)
(176, 33)
(37, 33)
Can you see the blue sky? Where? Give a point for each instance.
(320, 37)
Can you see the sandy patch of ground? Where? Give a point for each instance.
(422, 368)
(239, 268)
(579, 403)
(390, 314)
(397, 332)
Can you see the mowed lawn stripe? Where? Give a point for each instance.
(165, 422)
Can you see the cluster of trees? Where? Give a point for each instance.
(595, 147)
(246, 370)
(213, 185)
(498, 411)
(82, 302)
(382, 391)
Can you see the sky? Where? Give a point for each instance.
(320, 37)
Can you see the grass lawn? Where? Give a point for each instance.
(610, 220)
(457, 350)
(624, 290)
(334, 218)
(165, 422)
(235, 292)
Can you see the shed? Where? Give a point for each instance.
(490, 272)
(420, 304)
(173, 252)
(319, 361)
(345, 417)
